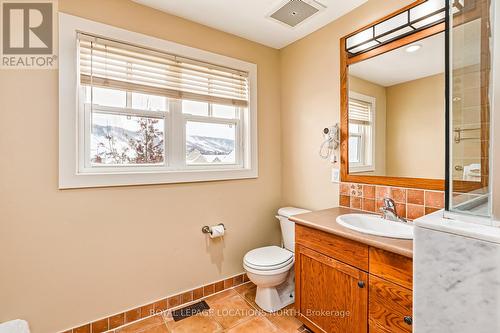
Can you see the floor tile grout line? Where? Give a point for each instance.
(245, 320)
(253, 317)
(251, 303)
(260, 313)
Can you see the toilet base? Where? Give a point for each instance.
(272, 299)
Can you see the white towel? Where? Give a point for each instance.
(472, 172)
(15, 326)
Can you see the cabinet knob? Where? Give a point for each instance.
(361, 284)
(408, 320)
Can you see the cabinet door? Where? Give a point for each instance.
(390, 307)
(331, 296)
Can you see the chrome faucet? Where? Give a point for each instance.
(389, 211)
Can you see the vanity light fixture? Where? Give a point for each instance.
(413, 48)
(420, 17)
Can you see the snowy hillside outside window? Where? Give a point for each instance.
(212, 134)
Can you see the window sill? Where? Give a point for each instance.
(361, 169)
(87, 180)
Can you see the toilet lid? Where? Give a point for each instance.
(268, 257)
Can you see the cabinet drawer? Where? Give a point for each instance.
(342, 249)
(392, 267)
(389, 304)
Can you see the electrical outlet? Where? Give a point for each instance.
(335, 175)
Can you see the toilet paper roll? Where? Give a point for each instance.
(217, 231)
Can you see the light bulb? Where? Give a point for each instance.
(413, 48)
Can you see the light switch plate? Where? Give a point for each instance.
(335, 175)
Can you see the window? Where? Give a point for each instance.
(122, 129)
(361, 133)
(147, 115)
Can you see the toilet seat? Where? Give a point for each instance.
(268, 259)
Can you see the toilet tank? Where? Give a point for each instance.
(287, 226)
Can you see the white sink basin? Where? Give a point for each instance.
(376, 225)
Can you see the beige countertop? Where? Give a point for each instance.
(325, 220)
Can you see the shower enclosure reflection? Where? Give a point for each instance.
(470, 57)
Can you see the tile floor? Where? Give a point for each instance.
(231, 311)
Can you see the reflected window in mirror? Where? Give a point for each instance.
(361, 132)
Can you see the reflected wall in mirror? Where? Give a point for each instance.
(470, 61)
(396, 112)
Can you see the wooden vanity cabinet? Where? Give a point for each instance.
(347, 286)
(333, 295)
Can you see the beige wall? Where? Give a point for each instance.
(409, 122)
(379, 93)
(310, 89)
(416, 128)
(72, 256)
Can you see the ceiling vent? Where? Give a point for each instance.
(294, 12)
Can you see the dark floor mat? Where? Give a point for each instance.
(190, 310)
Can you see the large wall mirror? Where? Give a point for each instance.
(393, 100)
(396, 112)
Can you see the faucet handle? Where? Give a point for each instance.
(389, 203)
(389, 211)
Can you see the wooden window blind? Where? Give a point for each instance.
(111, 64)
(359, 112)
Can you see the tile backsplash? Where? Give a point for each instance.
(410, 203)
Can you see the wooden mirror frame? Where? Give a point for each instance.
(345, 61)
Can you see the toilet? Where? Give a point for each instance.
(270, 268)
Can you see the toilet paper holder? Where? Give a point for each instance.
(207, 230)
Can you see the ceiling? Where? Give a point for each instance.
(250, 18)
(399, 66)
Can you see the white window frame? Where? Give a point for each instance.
(364, 166)
(74, 172)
